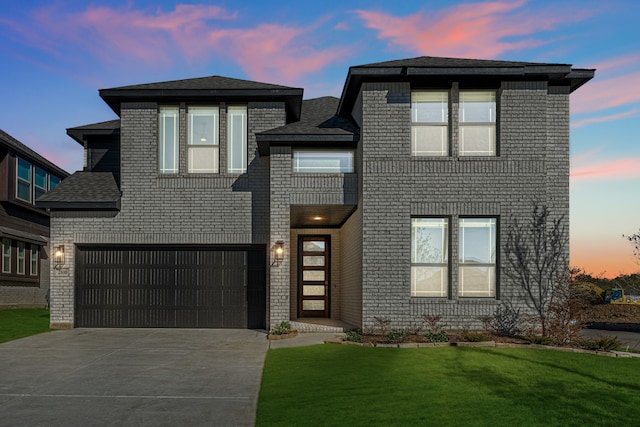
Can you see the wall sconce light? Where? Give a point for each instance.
(278, 253)
(58, 256)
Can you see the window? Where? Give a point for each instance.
(477, 123)
(168, 135)
(40, 182)
(237, 139)
(23, 183)
(322, 161)
(202, 144)
(430, 123)
(53, 182)
(34, 260)
(6, 255)
(21, 256)
(429, 257)
(477, 257)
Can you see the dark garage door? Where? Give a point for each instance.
(170, 287)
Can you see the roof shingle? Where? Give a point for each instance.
(83, 190)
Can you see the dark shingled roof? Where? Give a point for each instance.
(85, 191)
(472, 72)
(80, 133)
(28, 154)
(213, 88)
(318, 124)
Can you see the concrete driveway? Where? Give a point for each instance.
(132, 377)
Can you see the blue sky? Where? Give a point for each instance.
(57, 54)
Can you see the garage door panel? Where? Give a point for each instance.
(170, 287)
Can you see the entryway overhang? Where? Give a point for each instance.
(320, 216)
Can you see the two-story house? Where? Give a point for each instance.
(217, 202)
(24, 228)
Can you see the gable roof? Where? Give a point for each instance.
(318, 124)
(212, 88)
(444, 70)
(80, 133)
(27, 153)
(83, 190)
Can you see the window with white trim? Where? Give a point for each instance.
(40, 182)
(203, 149)
(21, 257)
(477, 127)
(477, 262)
(168, 135)
(236, 139)
(430, 123)
(34, 249)
(309, 161)
(429, 257)
(6, 255)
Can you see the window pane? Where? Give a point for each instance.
(312, 305)
(169, 140)
(477, 281)
(477, 140)
(37, 193)
(429, 141)
(203, 159)
(53, 181)
(429, 240)
(34, 260)
(477, 107)
(24, 170)
(203, 126)
(478, 240)
(313, 275)
(237, 136)
(313, 261)
(429, 281)
(430, 107)
(313, 290)
(6, 255)
(313, 246)
(24, 191)
(40, 178)
(21, 260)
(323, 161)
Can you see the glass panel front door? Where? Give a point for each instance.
(313, 276)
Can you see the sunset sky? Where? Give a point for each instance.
(57, 54)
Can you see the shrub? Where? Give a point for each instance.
(432, 323)
(505, 321)
(539, 339)
(354, 335)
(441, 336)
(396, 336)
(601, 343)
(283, 328)
(382, 325)
(475, 337)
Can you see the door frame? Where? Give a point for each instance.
(327, 268)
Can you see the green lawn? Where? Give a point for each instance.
(22, 322)
(335, 385)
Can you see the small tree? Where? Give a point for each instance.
(537, 258)
(634, 239)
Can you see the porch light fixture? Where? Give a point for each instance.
(278, 253)
(58, 256)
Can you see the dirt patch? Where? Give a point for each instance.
(613, 313)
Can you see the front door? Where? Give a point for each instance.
(313, 276)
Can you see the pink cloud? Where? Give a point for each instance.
(612, 170)
(124, 35)
(582, 122)
(473, 30)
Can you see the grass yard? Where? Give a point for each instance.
(334, 385)
(22, 322)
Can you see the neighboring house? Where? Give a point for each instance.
(217, 202)
(24, 228)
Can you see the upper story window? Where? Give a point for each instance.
(169, 138)
(32, 181)
(323, 161)
(477, 270)
(237, 139)
(477, 123)
(429, 257)
(203, 149)
(430, 123)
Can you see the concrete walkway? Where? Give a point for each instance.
(126, 377)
